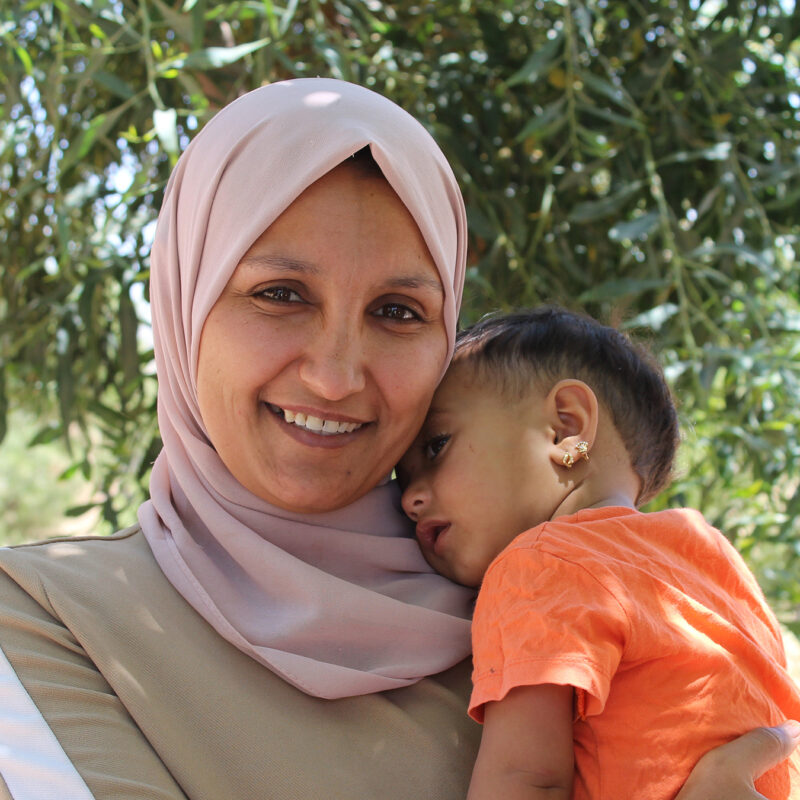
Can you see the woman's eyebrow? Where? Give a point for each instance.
(285, 263)
(292, 264)
(413, 282)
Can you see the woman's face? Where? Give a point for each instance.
(319, 359)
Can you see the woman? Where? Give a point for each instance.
(269, 629)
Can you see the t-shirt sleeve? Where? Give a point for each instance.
(542, 619)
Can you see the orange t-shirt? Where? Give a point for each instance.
(662, 630)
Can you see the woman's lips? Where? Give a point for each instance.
(429, 533)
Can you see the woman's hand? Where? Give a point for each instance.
(729, 771)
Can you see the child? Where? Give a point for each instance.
(612, 648)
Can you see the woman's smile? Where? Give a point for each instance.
(312, 428)
(308, 435)
(309, 421)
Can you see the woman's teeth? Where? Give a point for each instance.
(326, 427)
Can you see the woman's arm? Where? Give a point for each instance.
(526, 747)
(729, 772)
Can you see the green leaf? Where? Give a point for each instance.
(612, 290)
(608, 90)
(331, 56)
(474, 276)
(214, 57)
(72, 470)
(654, 318)
(719, 152)
(66, 392)
(129, 354)
(745, 253)
(597, 209)
(269, 11)
(596, 144)
(110, 416)
(547, 116)
(637, 228)
(114, 84)
(46, 435)
(78, 511)
(197, 10)
(610, 116)
(165, 123)
(287, 16)
(179, 22)
(97, 128)
(25, 58)
(479, 224)
(539, 63)
(789, 199)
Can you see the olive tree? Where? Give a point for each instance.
(639, 160)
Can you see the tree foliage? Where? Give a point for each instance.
(637, 159)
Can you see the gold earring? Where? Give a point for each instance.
(583, 450)
(567, 460)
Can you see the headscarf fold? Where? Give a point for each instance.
(340, 603)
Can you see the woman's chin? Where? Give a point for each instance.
(311, 496)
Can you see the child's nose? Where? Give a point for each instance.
(413, 499)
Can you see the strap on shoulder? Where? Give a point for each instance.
(32, 761)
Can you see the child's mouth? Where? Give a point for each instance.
(429, 531)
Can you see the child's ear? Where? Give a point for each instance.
(573, 414)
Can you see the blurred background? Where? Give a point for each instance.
(639, 160)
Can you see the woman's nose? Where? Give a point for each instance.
(414, 499)
(333, 366)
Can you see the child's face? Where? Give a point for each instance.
(478, 474)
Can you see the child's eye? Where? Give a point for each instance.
(435, 445)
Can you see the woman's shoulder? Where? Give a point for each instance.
(85, 547)
(64, 605)
(76, 565)
(56, 547)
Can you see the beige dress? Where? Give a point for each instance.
(147, 701)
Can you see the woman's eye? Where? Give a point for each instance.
(280, 294)
(435, 446)
(397, 311)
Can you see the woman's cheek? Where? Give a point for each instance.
(414, 379)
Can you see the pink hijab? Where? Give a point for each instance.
(340, 603)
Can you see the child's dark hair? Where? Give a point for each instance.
(548, 344)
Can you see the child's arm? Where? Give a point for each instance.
(526, 748)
